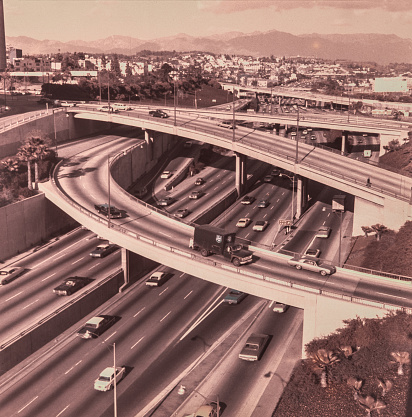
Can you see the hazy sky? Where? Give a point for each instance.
(66, 20)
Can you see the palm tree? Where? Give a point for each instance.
(33, 150)
(379, 229)
(323, 359)
(402, 358)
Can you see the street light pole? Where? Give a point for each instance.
(108, 190)
(297, 138)
(115, 378)
(174, 97)
(234, 119)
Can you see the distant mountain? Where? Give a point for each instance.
(381, 49)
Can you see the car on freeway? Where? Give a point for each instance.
(293, 133)
(195, 195)
(165, 201)
(263, 203)
(166, 174)
(243, 222)
(312, 137)
(158, 113)
(9, 273)
(208, 410)
(95, 326)
(275, 172)
(234, 297)
(248, 199)
(260, 225)
(312, 264)
(182, 213)
(323, 232)
(108, 377)
(67, 104)
(254, 347)
(188, 144)
(199, 181)
(313, 252)
(279, 307)
(304, 132)
(104, 209)
(227, 124)
(121, 106)
(268, 178)
(70, 286)
(157, 279)
(109, 109)
(103, 250)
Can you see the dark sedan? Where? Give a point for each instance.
(70, 286)
(158, 113)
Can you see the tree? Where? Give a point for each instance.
(366, 230)
(323, 359)
(379, 229)
(402, 358)
(33, 150)
(115, 66)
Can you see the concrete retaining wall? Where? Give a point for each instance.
(66, 129)
(23, 224)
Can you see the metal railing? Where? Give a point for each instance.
(14, 121)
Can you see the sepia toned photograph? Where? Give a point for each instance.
(205, 208)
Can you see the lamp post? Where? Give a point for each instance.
(297, 138)
(115, 378)
(292, 216)
(234, 118)
(108, 190)
(55, 133)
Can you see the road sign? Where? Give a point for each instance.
(283, 222)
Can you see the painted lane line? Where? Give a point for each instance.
(73, 367)
(139, 311)
(21, 409)
(15, 295)
(164, 234)
(182, 274)
(163, 291)
(52, 275)
(137, 342)
(63, 250)
(107, 338)
(94, 266)
(390, 295)
(165, 316)
(64, 409)
(75, 262)
(28, 305)
(188, 295)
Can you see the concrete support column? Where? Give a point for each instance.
(240, 172)
(345, 135)
(301, 196)
(148, 137)
(125, 261)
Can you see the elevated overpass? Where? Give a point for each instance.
(387, 201)
(326, 301)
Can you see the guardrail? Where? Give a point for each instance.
(212, 262)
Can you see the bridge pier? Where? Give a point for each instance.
(301, 195)
(241, 172)
(148, 137)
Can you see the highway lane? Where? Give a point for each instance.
(30, 297)
(147, 338)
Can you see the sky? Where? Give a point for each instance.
(88, 20)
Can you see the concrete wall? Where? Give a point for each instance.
(66, 128)
(28, 223)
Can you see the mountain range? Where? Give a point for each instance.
(382, 49)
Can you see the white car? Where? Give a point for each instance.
(166, 174)
(323, 232)
(260, 225)
(67, 104)
(106, 379)
(8, 274)
(157, 279)
(243, 222)
(120, 106)
(279, 307)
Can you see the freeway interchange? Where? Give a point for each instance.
(153, 321)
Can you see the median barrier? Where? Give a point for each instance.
(30, 340)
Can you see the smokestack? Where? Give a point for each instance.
(3, 62)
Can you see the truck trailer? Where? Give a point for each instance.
(209, 240)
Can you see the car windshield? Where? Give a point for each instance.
(104, 378)
(252, 346)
